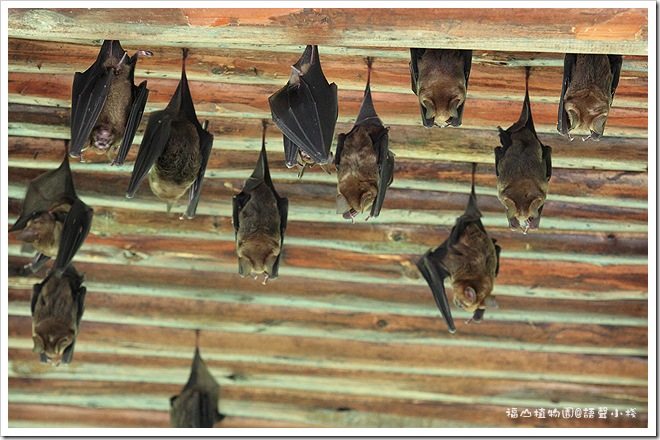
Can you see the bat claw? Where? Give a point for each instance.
(265, 280)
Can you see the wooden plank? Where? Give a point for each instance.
(250, 101)
(594, 185)
(590, 30)
(584, 330)
(489, 78)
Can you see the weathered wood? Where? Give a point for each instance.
(363, 315)
(272, 340)
(251, 101)
(488, 78)
(589, 31)
(45, 153)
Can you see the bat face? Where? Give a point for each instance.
(440, 83)
(57, 306)
(587, 93)
(258, 237)
(358, 174)
(43, 232)
(523, 200)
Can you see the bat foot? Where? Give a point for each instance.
(265, 280)
(146, 53)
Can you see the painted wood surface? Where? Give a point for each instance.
(349, 334)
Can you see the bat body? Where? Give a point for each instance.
(174, 151)
(106, 105)
(259, 217)
(53, 219)
(306, 111)
(197, 405)
(587, 92)
(470, 259)
(365, 166)
(523, 166)
(57, 307)
(439, 78)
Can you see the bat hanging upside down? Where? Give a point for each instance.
(365, 166)
(259, 217)
(587, 93)
(174, 151)
(470, 259)
(106, 105)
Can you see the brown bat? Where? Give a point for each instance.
(440, 79)
(53, 220)
(197, 405)
(106, 105)
(587, 93)
(523, 167)
(174, 151)
(365, 166)
(470, 258)
(259, 217)
(57, 307)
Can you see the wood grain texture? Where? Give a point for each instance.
(349, 334)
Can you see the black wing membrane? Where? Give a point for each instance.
(197, 405)
(615, 67)
(385, 171)
(430, 266)
(140, 95)
(563, 124)
(74, 231)
(306, 111)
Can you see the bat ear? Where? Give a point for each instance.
(490, 302)
(38, 344)
(453, 107)
(367, 200)
(510, 206)
(430, 108)
(270, 262)
(598, 125)
(244, 266)
(29, 234)
(342, 204)
(535, 205)
(572, 118)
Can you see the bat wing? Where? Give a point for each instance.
(430, 266)
(416, 54)
(615, 67)
(206, 145)
(197, 405)
(140, 95)
(340, 148)
(499, 155)
(467, 66)
(153, 144)
(385, 170)
(307, 111)
(546, 155)
(88, 95)
(52, 186)
(290, 152)
(74, 231)
(498, 249)
(563, 123)
(367, 114)
(283, 208)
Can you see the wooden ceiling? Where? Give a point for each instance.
(349, 334)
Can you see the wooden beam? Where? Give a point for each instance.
(623, 31)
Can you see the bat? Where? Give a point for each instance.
(523, 166)
(259, 215)
(106, 105)
(587, 92)
(197, 405)
(365, 166)
(53, 220)
(174, 151)
(57, 306)
(306, 111)
(439, 78)
(470, 259)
